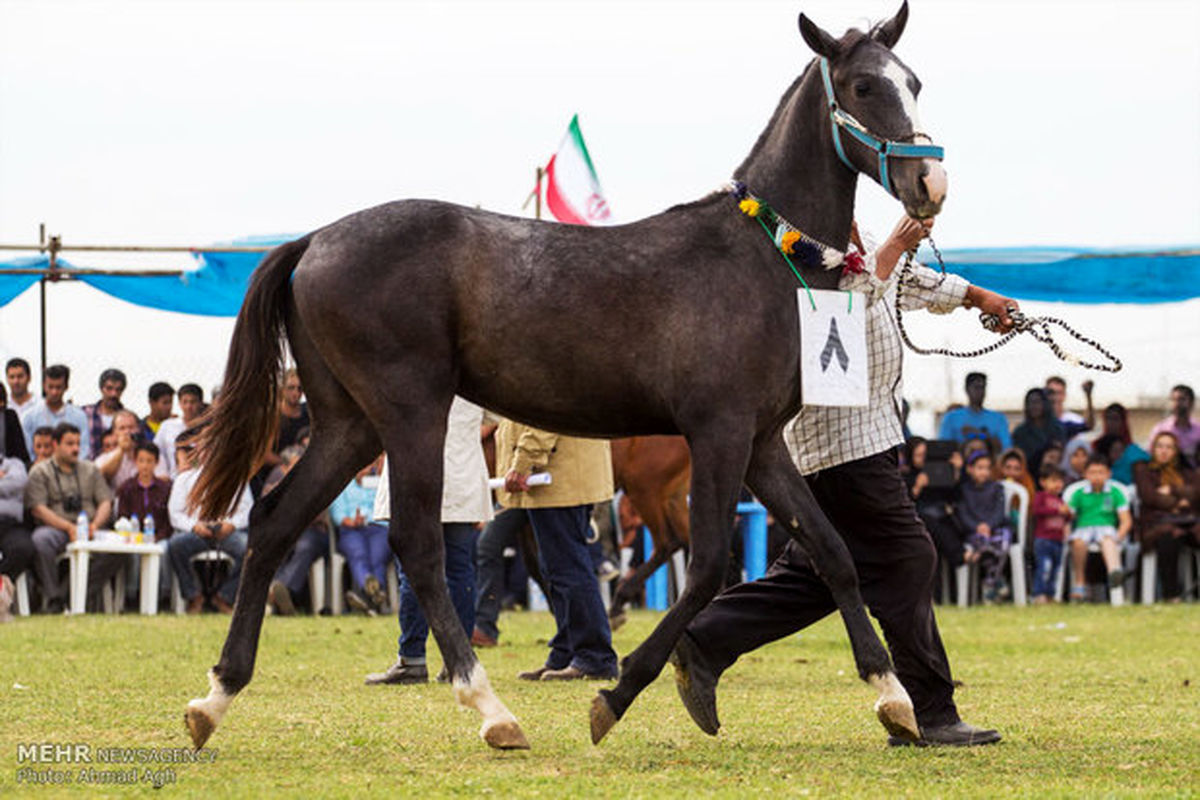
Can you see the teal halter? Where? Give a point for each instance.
(886, 148)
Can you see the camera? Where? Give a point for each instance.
(72, 504)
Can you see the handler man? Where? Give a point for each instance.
(848, 456)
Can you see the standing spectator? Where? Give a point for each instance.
(51, 409)
(973, 421)
(100, 414)
(16, 547)
(58, 490)
(292, 576)
(1073, 424)
(162, 400)
(1050, 517)
(560, 514)
(12, 435)
(1170, 518)
(502, 533)
(193, 536)
(466, 502)
(1181, 424)
(1039, 429)
(1117, 444)
(191, 405)
(364, 543)
(1101, 516)
(43, 444)
(17, 373)
(981, 512)
(146, 492)
(118, 465)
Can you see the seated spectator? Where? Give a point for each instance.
(43, 444)
(162, 400)
(364, 543)
(1053, 456)
(191, 406)
(146, 493)
(100, 414)
(1181, 424)
(1169, 491)
(1075, 457)
(973, 421)
(1073, 424)
(934, 495)
(1100, 516)
(981, 513)
(1014, 468)
(17, 373)
(16, 546)
(118, 465)
(58, 490)
(293, 418)
(1050, 526)
(108, 441)
(52, 409)
(12, 435)
(193, 536)
(1039, 429)
(291, 578)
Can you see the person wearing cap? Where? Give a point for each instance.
(973, 421)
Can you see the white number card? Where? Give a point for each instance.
(833, 348)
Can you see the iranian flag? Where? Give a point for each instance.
(572, 188)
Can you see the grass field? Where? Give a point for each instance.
(1093, 701)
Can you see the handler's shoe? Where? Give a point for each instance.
(959, 734)
(697, 685)
(399, 673)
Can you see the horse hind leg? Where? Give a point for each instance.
(774, 480)
(415, 534)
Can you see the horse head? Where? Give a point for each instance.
(871, 103)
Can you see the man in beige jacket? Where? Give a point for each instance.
(559, 513)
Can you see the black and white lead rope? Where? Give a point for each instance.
(1037, 327)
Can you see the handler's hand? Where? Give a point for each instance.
(516, 482)
(991, 303)
(909, 232)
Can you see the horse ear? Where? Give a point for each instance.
(888, 33)
(821, 42)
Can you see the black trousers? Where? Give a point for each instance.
(868, 504)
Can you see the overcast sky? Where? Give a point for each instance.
(188, 123)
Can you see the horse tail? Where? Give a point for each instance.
(241, 426)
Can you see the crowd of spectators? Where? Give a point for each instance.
(1090, 493)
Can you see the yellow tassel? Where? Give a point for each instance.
(788, 242)
(749, 206)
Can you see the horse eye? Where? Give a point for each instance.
(862, 88)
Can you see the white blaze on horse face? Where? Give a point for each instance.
(934, 176)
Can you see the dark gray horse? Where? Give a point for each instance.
(392, 311)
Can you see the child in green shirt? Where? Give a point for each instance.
(1100, 512)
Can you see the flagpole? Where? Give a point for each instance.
(536, 194)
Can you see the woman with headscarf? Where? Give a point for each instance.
(1118, 446)
(1169, 491)
(1039, 429)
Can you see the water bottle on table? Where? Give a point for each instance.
(81, 527)
(148, 528)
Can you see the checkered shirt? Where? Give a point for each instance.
(821, 437)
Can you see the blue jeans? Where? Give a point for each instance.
(1047, 559)
(583, 639)
(312, 544)
(366, 550)
(185, 544)
(460, 538)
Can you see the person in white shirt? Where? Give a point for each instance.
(191, 405)
(466, 502)
(52, 409)
(193, 536)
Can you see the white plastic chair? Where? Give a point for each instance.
(1129, 549)
(208, 555)
(22, 587)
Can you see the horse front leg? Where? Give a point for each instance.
(773, 478)
(719, 462)
(275, 523)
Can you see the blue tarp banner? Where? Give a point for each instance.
(1065, 275)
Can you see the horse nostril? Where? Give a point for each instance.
(933, 180)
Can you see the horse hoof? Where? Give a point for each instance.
(894, 707)
(506, 736)
(602, 718)
(199, 725)
(617, 620)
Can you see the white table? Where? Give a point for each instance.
(80, 553)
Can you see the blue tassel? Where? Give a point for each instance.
(738, 190)
(807, 253)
